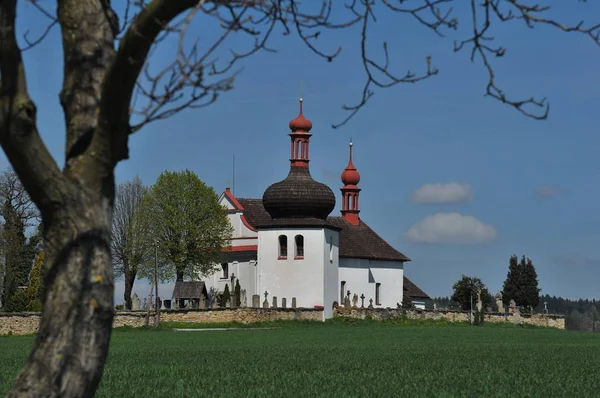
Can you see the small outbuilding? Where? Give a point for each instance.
(189, 294)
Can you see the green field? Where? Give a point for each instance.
(342, 359)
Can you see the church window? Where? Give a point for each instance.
(225, 271)
(342, 294)
(331, 249)
(282, 247)
(378, 293)
(299, 247)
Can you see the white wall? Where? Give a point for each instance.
(308, 279)
(362, 275)
(244, 271)
(331, 270)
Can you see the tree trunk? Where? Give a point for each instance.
(129, 281)
(72, 343)
(179, 273)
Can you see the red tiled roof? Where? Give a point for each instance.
(356, 241)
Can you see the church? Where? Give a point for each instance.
(288, 245)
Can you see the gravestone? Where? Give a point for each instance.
(162, 304)
(135, 302)
(512, 306)
(202, 303)
(435, 306)
(370, 304)
(228, 303)
(355, 300)
(294, 302)
(499, 302)
(362, 300)
(255, 301)
(243, 299)
(479, 304)
(283, 302)
(274, 301)
(266, 302)
(347, 300)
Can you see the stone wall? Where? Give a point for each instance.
(554, 321)
(27, 323)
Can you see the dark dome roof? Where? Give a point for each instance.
(299, 196)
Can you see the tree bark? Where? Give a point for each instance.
(76, 203)
(129, 281)
(72, 344)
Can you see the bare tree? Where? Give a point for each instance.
(130, 244)
(111, 90)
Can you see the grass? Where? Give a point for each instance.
(341, 358)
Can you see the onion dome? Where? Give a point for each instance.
(299, 196)
(300, 123)
(350, 176)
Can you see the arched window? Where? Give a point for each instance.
(224, 271)
(342, 294)
(378, 293)
(299, 247)
(282, 247)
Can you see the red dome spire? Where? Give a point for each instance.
(350, 191)
(350, 176)
(300, 123)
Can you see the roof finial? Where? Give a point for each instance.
(301, 92)
(351, 145)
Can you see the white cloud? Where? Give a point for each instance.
(451, 228)
(451, 192)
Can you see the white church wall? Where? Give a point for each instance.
(245, 271)
(331, 270)
(357, 281)
(290, 277)
(363, 275)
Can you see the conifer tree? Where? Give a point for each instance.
(512, 284)
(530, 290)
(35, 290)
(226, 296)
(238, 294)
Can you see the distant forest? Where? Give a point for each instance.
(580, 314)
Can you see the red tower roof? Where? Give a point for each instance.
(350, 176)
(300, 123)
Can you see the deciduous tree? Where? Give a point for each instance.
(188, 224)
(131, 245)
(465, 290)
(104, 59)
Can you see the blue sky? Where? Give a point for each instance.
(534, 184)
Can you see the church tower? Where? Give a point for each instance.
(350, 190)
(298, 247)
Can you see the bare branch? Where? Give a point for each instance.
(19, 137)
(481, 23)
(53, 22)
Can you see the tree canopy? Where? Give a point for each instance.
(187, 223)
(465, 290)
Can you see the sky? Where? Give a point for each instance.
(456, 181)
